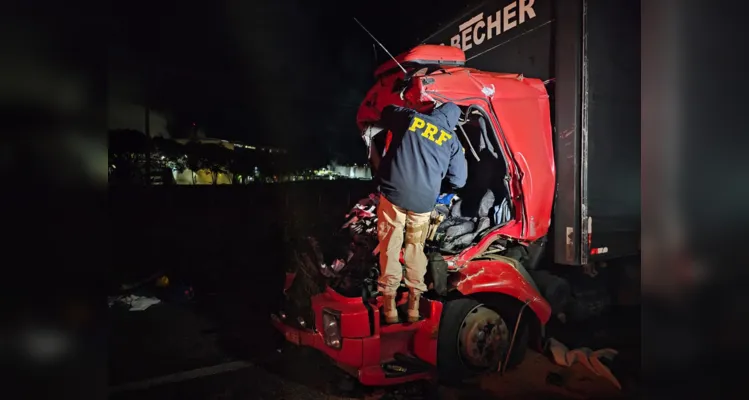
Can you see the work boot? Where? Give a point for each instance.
(389, 310)
(413, 306)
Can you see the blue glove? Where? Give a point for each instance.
(445, 198)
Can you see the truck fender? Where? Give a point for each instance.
(502, 276)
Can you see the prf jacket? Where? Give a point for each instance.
(424, 150)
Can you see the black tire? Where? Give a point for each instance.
(450, 365)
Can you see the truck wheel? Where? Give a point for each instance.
(474, 338)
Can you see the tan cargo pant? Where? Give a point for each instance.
(391, 221)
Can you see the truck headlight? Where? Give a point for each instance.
(331, 325)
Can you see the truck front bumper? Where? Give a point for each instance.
(352, 346)
(341, 329)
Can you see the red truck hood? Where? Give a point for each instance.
(517, 106)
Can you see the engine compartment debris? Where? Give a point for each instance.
(349, 262)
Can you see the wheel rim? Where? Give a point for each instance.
(482, 338)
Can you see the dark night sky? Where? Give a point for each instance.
(289, 73)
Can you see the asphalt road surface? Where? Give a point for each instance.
(223, 348)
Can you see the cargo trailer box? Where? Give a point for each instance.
(588, 52)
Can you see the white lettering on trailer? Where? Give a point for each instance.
(477, 29)
(470, 22)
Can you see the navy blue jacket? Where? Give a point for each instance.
(424, 150)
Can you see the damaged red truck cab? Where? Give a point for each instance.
(492, 308)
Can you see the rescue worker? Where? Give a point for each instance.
(424, 150)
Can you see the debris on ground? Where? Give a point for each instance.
(537, 377)
(141, 295)
(592, 360)
(133, 302)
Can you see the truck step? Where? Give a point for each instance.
(411, 360)
(404, 365)
(389, 373)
